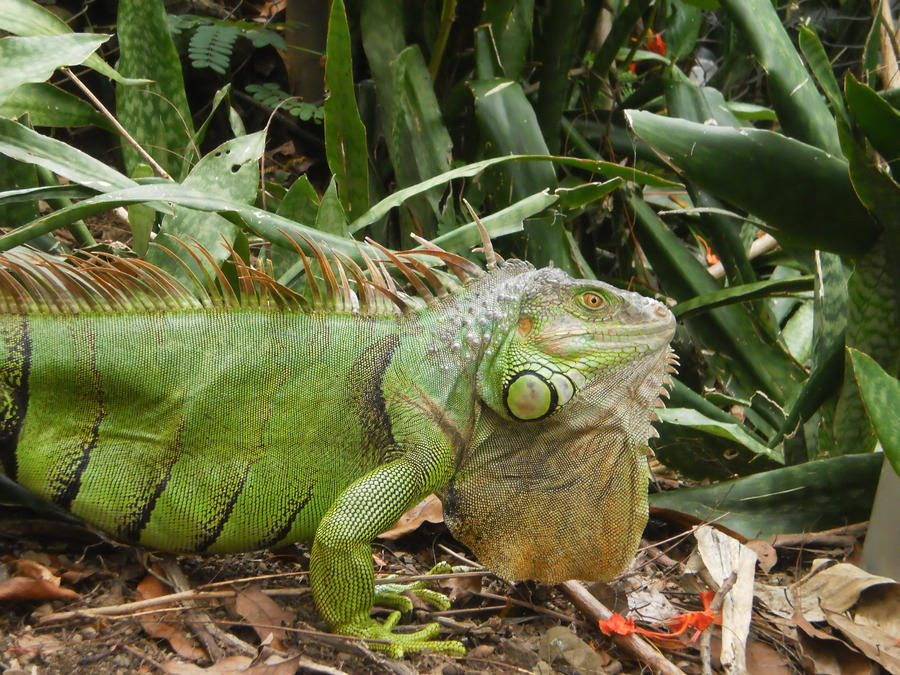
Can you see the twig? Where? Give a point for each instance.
(633, 644)
(112, 118)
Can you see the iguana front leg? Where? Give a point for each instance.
(341, 572)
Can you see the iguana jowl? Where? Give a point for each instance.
(238, 422)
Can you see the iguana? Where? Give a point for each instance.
(220, 421)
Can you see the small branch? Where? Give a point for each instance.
(633, 644)
(112, 119)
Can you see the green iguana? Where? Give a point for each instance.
(241, 421)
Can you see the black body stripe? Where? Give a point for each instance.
(16, 372)
(280, 530)
(131, 531)
(214, 530)
(365, 384)
(68, 484)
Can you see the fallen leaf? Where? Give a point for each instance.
(157, 626)
(878, 646)
(34, 581)
(43, 644)
(766, 555)
(429, 509)
(264, 615)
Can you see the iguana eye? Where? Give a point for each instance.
(592, 300)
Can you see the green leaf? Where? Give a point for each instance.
(20, 142)
(345, 135)
(22, 17)
(807, 498)
(330, 216)
(505, 221)
(878, 120)
(49, 106)
(621, 29)
(801, 110)
(732, 431)
(379, 210)
(33, 59)
(157, 114)
(821, 68)
(881, 396)
(582, 195)
(230, 171)
(802, 193)
(510, 22)
(555, 55)
(742, 293)
(301, 203)
(419, 142)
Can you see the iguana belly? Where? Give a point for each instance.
(200, 431)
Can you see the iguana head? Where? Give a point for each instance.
(553, 485)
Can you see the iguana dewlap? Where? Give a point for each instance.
(238, 422)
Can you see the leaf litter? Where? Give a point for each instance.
(702, 597)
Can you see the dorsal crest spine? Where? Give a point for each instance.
(32, 282)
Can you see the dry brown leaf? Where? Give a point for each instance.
(766, 555)
(34, 581)
(459, 588)
(157, 626)
(877, 645)
(263, 613)
(761, 658)
(429, 509)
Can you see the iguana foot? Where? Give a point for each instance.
(391, 595)
(396, 645)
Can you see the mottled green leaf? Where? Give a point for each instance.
(807, 498)
(157, 114)
(881, 396)
(230, 171)
(23, 17)
(821, 68)
(732, 431)
(345, 135)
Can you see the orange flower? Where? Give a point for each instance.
(619, 625)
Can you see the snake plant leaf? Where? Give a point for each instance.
(801, 110)
(555, 50)
(331, 217)
(881, 396)
(510, 22)
(230, 171)
(820, 65)
(157, 114)
(26, 18)
(787, 500)
(878, 120)
(345, 135)
(802, 193)
(33, 59)
(49, 106)
(509, 125)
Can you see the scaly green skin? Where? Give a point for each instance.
(213, 430)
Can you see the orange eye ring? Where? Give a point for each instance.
(592, 300)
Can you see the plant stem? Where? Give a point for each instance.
(448, 16)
